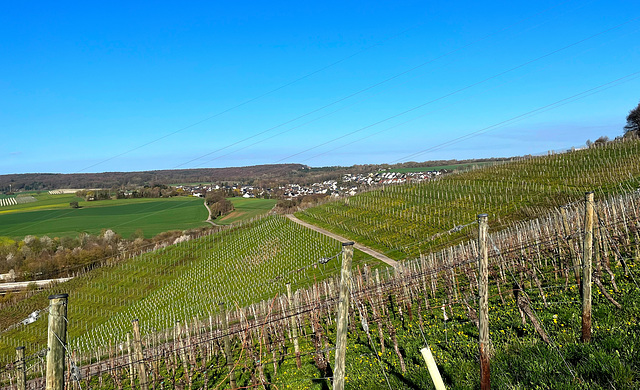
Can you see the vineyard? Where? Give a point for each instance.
(534, 319)
(406, 220)
(195, 301)
(179, 282)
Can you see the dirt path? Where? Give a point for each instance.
(360, 247)
(209, 220)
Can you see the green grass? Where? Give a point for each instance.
(452, 167)
(245, 209)
(51, 215)
(44, 201)
(406, 220)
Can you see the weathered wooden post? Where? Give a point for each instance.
(433, 368)
(587, 266)
(227, 346)
(21, 379)
(483, 302)
(567, 232)
(56, 341)
(183, 352)
(131, 371)
(294, 327)
(343, 316)
(137, 347)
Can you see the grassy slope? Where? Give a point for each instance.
(405, 220)
(245, 209)
(521, 361)
(51, 215)
(234, 266)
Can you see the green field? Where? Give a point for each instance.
(452, 167)
(245, 209)
(45, 202)
(51, 215)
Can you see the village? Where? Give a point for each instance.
(348, 185)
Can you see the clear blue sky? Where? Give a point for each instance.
(127, 86)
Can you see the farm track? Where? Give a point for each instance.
(209, 220)
(359, 247)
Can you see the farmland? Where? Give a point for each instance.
(51, 215)
(406, 220)
(535, 252)
(246, 209)
(431, 302)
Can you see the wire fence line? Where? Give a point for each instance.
(514, 251)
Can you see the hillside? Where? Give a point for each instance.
(431, 300)
(406, 220)
(241, 265)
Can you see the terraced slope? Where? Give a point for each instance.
(405, 220)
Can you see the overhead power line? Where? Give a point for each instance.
(251, 100)
(556, 104)
(370, 87)
(485, 80)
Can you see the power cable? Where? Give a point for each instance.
(469, 86)
(556, 104)
(449, 53)
(343, 145)
(250, 100)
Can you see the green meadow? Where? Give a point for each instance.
(51, 215)
(246, 209)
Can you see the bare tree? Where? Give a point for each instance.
(633, 122)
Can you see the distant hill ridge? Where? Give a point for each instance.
(53, 181)
(264, 175)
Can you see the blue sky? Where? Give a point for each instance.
(128, 86)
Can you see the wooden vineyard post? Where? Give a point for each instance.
(433, 368)
(56, 341)
(137, 347)
(294, 327)
(227, 346)
(21, 379)
(483, 301)
(131, 372)
(343, 316)
(587, 266)
(567, 233)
